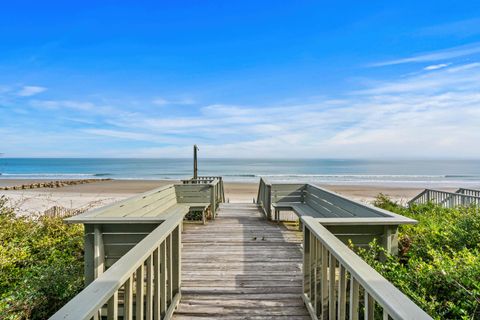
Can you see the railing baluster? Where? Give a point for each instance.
(319, 279)
(163, 279)
(156, 285)
(385, 314)
(324, 283)
(139, 294)
(369, 306)
(354, 287)
(177, 247)
(307, 244)
(169, 269)
(149, 302)
(313, 272)
(128, 302)
(331, 287)
(112, 307)
(342, 292)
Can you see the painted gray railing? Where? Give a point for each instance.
(264, 197)
(145, 283)
(338, 284)
(469, 192)
(217, 181)
(444, 199)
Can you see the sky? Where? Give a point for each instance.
(242, 79)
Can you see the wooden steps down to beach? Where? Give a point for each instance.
(241, 266)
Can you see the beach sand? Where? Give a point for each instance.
(98, 194)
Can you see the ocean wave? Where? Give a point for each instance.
(355, 175)
(103, 174)
(461, 176)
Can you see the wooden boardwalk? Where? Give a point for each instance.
(240, 266)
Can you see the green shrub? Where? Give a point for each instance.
(438, 265)
(194, 215)
(41, 264)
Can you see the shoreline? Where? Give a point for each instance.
(100, 193)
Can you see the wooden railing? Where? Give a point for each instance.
(145, 283)
(217, 182)
(444, 199)
(264, 197)
(217, 196)
(469, 192)
(338, 283)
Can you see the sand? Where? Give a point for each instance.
(98, 194)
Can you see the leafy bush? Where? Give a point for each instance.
(194, 215)
(438, 265)
(41, 264)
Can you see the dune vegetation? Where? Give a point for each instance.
(41, 264)
(438, 265)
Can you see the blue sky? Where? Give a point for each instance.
(302, 79)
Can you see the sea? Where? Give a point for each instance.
(454, 173)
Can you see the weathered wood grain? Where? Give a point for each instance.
(241, 266)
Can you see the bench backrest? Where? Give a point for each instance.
(193, 193)
(333, 205)
(142, 205)
(287, 193)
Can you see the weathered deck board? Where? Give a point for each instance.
(241, 266)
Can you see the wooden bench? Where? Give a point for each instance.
(111, 231)
(347, 219)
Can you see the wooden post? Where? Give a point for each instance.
(213, 203)
(176, 259)
(99, 255)
(306, 262)
(195, 164)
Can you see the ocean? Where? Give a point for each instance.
(453, 173)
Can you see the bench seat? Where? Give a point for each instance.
(300, 209)
(199, 206)
(150, 217)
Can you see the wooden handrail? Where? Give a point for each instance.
(264, 197)
(154, 263)
(328, 263)
(445, 199)
(469, 192)
(418, 196)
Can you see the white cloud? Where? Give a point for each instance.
(423, 115)
(120, 134)
(28, 91)
(61, 104)
(164, 102)
(445, 54)
(160, 101)
(428, 114)
(133, 135)
(436, 66)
